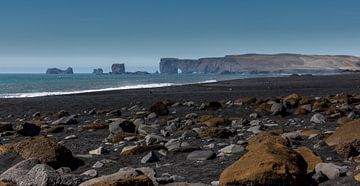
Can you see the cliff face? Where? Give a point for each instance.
(59, 71)
(290, 63)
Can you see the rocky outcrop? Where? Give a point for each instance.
(98, 71)
(59, 71)
(118, 68)
(248, 63)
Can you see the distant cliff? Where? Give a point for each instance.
(289, 63)
(59, 71)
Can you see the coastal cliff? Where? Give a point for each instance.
(289, 63)
(59, 71)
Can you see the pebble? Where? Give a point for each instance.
(98, 164)
(70, 137)
(99, 151)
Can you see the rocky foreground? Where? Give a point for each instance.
(282, 140)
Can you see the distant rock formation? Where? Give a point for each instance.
(118, 69)
(252, 63)
(59, 71)
(98, 71)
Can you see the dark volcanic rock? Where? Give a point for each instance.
(118, 69)
(28, 129)
(59, 71)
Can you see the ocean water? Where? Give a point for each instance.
(35, 85)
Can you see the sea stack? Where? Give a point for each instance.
(98, 71)
(118, 68)
(59, 71)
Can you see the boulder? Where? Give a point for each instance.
(16, 172)
(266, 163)
(159, 109)
(122, 125)
(345, 134)
(28, 129)
(45, 150)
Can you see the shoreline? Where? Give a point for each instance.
(262, 87)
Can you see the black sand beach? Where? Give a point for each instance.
(93, 108)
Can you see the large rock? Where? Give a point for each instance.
(122, 125)
(15, 173)
(28, 129)
(266, 163)
(290, 63)
(31, 172)
(59, 71)
(45, 150)
(118, 68)
(346, 133)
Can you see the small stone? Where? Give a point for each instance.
(92, 173)
(318, 119)
(99, 151)
(70, 137)
(232, 149)
(151, 157)
(254, 129)
(98, 164)
(201, 155)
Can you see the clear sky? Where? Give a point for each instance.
(97, 33)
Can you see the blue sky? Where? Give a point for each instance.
(97, 33)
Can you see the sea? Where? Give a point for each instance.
(36, 85)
